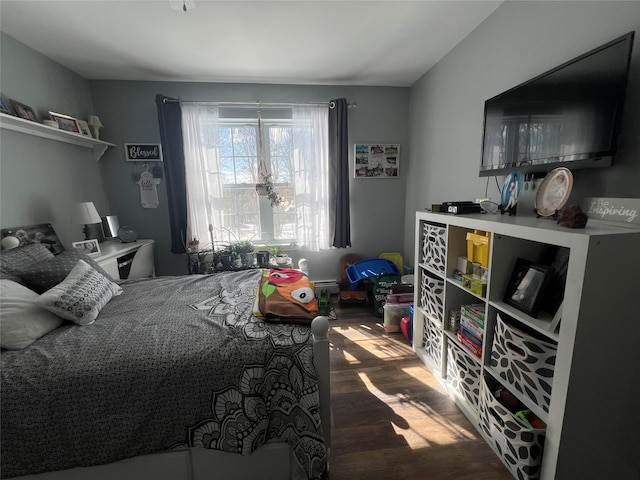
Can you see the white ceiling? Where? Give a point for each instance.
(376, 43)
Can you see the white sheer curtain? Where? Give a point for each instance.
(202, 165)
(200, 125)
(311, 163)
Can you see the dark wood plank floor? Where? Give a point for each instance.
(391, 418)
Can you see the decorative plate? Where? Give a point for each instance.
(511, 189)
(554, 191)
(127, 234)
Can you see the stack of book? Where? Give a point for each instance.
(471, 328)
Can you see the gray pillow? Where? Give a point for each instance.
(80, 296)
(40, 277)
(13, 261)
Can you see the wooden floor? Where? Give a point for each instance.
(391, 418)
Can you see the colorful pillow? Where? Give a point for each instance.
(15, 260)
(81, 295)
(22, 322)
(42, 276)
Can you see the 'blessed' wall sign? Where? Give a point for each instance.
(143, 152)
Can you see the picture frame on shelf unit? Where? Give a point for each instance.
(24, 111)
(66, 123)
(527, 286)
(90, 247)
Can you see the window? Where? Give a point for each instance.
(222, 168)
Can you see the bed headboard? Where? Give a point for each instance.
(40, 233)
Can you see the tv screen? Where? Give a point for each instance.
(569, 116)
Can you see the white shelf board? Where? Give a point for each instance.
(16, 124)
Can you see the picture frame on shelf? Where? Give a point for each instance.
(90, 247)
(65, 122)
(24, 111)
(84, 128)
(5, 107)
(527, 286)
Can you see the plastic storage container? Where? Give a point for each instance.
(478, 247)
(393, 314)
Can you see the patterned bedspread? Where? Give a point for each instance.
(173, 362)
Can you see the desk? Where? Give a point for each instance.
(117, 258)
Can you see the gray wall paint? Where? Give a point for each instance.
(40, 179)
(517, 42)
(128, 111)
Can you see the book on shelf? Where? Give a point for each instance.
(469, 345)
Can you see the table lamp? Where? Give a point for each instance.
(85, 213)
(95, 124)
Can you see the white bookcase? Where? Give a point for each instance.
(582, 378)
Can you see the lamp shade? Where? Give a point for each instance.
(85, 213)
(94, 121)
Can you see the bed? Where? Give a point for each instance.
(172, 377)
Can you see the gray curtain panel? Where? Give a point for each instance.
(339, 217)
(170, 121)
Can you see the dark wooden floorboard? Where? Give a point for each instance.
(391, 418)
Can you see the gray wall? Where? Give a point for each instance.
(517, 42)
(41, 179)
(128, 111)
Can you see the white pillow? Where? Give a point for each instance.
(81, 295)
(22, 322)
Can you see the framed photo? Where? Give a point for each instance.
(84, 128)
(91, 247)
(5, 107)
(527, 286)
(65, 122)
(376, 160)
(24, 111)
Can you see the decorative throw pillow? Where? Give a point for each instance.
(42, 276)
(15, 260)
(81, 295)
(22, 321)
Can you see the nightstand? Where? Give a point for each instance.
(127, 261)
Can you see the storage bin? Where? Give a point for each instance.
(519, 445)
(393, 314)
(478, 247)
(434, 246)
(525, 363)
(463, 375)
(432, 297)
(380, 289)
(433, 342)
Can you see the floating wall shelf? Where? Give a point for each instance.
(28, 127)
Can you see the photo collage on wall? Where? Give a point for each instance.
(377, 160)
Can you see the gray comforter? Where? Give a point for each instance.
(173, 362)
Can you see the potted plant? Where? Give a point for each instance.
(265, 188)
(225, 256)
(244, 250)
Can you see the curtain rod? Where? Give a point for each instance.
(256, 104)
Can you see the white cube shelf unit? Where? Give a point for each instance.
(581, 377)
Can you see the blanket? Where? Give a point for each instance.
(173, 362)
(286, 296)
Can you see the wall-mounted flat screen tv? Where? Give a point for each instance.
(569, 116)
